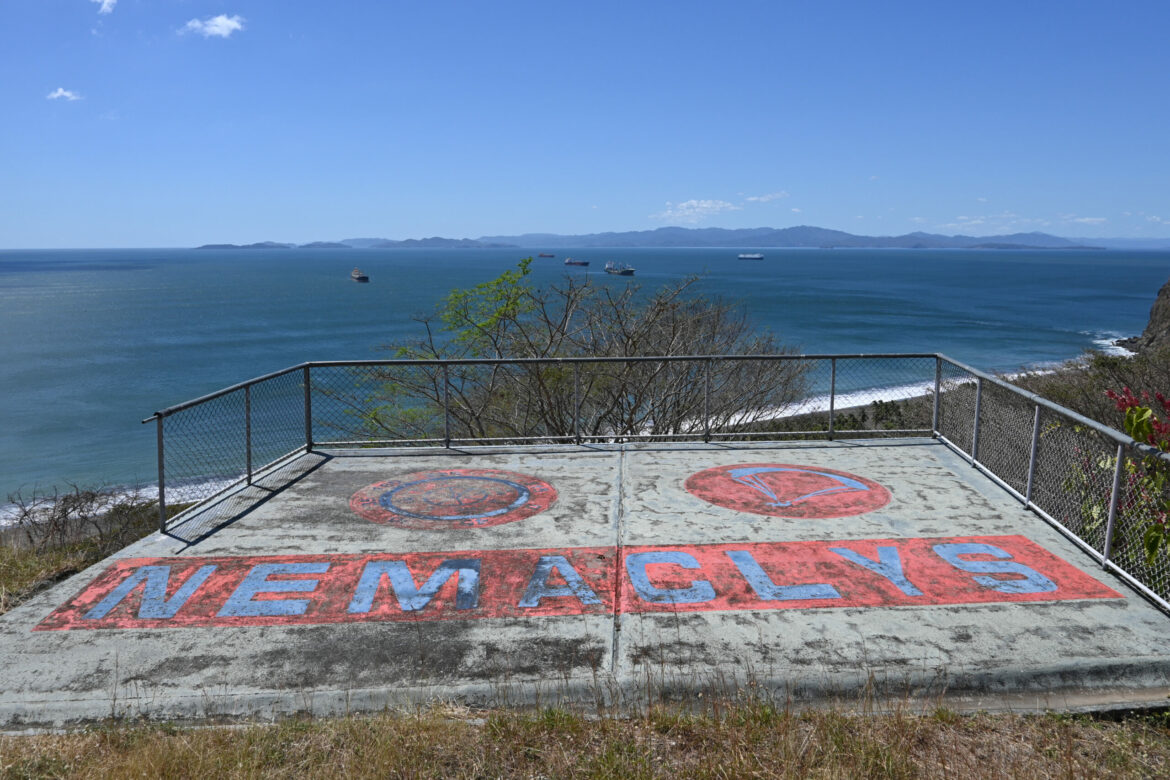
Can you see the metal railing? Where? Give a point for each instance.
(1080, 476)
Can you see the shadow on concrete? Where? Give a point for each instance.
(227, 509)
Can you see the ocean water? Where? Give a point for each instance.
(93, 341)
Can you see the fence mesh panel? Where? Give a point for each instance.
(1005, 434)
(956, 412)
(205, 448)
(1137, 509)
(367, 404)
(883, 397)
(278, 419)
(1074, 477)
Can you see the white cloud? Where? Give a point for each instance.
(1158, 220)
(107, 6)
(221, 26)
(771, 196)
(1003, 222)
(917, 220)
(796, 211)
(1090, 220)
(981, 200)
(61, 92)
(694, 210)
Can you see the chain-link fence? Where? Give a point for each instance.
(1079, 475)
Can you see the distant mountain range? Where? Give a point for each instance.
(802, 236)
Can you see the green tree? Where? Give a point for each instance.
(507, 318)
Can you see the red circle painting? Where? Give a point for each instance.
(453, 498)
(785, 490)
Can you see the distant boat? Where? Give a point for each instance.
(571, 261)
(545, 254)
(620, 269)
(751, 256)
(358, 275)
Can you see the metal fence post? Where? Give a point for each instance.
(975, 430)
(832, 396)
(576, 404)
(1114, 496)
(937, 396)
(248, 429)
(446, 408)
(707, 401)
(162, 480)
(308, 412)
(1032, 456)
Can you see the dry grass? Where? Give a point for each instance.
(731, 741)
(56, 534)
(25, 572)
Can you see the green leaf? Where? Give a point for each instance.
(1154, 537)
(1137, 423)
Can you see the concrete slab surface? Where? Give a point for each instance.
(597, 575)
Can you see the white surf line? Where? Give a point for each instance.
(176, 494)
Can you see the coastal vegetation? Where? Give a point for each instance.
(508, 318)
(55, 534)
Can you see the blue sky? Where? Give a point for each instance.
(181, 122)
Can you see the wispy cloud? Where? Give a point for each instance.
(795, 210)
(771, 196)
(60, 93)
(1002, 222)
(221, 26)
(1090, 220)
(692, 211)
(107, 6)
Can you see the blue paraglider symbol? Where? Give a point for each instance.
(750, 477)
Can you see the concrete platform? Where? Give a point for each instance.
(614, 575)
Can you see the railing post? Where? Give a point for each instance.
(1114, 497)
(576, 404)
(975, 429)
(707, 400)
(248, 429)
(832, 396)
(1032, 455)
(446, 408)
(162, 480)
(308, 412)
(937, 396)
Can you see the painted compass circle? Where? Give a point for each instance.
(453, 498)
(786, 490)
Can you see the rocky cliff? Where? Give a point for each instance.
(1157, 332)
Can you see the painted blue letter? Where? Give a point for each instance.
(1033, 582)
(155, 603)
(538, 587)
(410, 596)
(636, 564)
(888, 565)
(769, 591)
(240, 603)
